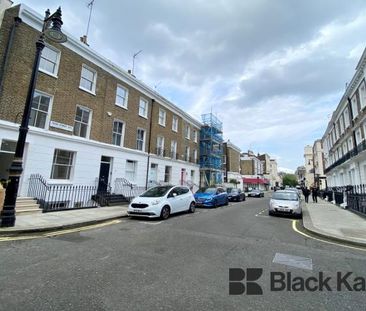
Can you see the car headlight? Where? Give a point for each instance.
(156, 202)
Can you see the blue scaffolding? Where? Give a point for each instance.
(211, 150)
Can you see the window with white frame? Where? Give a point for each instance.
(88, 79)
(354, 106)
(130, 171)
(334, 136)
(195, 155)
(82, 122)
(187, 153)
(49, 61)
(62, 164)
(362, 95)
(41, 105)
(173, 149)
(195, 136)
(341, 122)
(121, 97)
(175, 124)
(358, 136)
(187, 132)
(143, 107)
(118, 133)
(346, 118)
(350, 143)
(345, 148)
(160, 146)
(162, 117)
(140, 140)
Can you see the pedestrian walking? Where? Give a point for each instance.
(306, 193)
(314, 194)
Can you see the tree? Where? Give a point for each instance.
(289, 180)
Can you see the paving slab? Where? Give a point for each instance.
(334, 222)
(64, 219)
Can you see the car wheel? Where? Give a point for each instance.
(192, 208)
(226, 202)
(215, 203)
(270, 213)
(165, 212)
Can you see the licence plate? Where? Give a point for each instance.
(282, 209)
(138, 210)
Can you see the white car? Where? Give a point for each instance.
(286, 203)
(162, 201)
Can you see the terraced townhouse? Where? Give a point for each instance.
(91, 121)
(344, 141)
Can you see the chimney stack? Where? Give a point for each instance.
(83, 39)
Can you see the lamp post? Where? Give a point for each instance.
(54, 34)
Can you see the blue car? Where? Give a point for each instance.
(211, 197)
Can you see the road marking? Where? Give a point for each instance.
(150, 223)
(58, 232)
(293, 261)
(294, 227)
(260, 214)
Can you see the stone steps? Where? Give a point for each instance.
(25, 205)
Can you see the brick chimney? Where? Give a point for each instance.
(83, 39)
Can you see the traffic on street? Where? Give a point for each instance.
(182, 263)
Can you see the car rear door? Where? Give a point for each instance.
(175, 200)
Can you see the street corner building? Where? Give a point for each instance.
(91, 122)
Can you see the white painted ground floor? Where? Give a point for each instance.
(71, 160)
(351, 172)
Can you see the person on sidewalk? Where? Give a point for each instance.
(306, 192)
(314, 194)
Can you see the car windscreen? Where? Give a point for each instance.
(233, 190)
(156, 192)
(287, 196)
(208, 190)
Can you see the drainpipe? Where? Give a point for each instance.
(4, 65)
(149, 144)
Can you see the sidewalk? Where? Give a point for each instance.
(333, 222)
(64, 219)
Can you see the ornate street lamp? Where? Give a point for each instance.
(54, 34)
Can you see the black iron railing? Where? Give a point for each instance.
(352, 196)
(60, 197)
(355, 151)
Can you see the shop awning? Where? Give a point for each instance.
(261, 181)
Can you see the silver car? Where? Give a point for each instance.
(285, 203)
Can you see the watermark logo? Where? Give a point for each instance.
(243, 281)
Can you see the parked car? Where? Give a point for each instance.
(256, 193)
(235, 194)
(295, 190)
(211, 197)
(162, 201)
(285, 202)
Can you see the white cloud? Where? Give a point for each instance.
(273, 71)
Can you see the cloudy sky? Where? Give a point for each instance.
(272, 71)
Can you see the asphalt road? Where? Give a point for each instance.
(179, 264)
